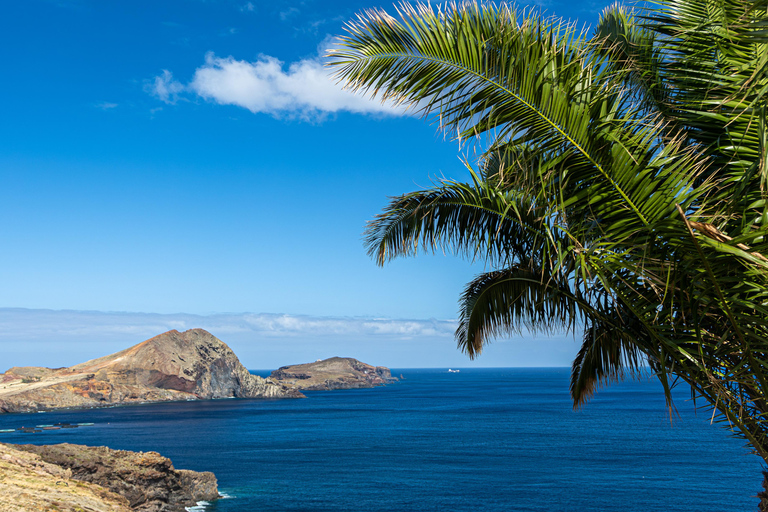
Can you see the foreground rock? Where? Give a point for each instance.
(147, 480)
(29, 483)
(172, 366)
(333, 373)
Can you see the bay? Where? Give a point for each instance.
(482, 439)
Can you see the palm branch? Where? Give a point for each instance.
(622, 186)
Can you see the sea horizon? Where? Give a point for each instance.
(493, 439)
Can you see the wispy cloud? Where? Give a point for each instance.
(248, 7)
(288, 13)
(62, 338)
(164, 87)
(302, 89)
(105, 105)
(47, 324)
(313, 26)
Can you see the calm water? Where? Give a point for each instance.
(483, 439)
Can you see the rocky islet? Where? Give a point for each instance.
(333, 373)
(190, 365)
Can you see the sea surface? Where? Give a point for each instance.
(493, 440)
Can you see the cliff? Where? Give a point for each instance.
(146, 481)
(333, 373)
(29, 483)
(172, 366)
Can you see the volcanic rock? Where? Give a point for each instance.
(147, 480)
(333, 373)
(27, 482)
(190, 365)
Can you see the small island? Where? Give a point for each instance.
(332, 373)
(173, 366)
(190, 365)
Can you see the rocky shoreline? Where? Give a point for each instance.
(69, 477)
(173, 366)
(193, 365)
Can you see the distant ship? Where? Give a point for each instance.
(453, 371)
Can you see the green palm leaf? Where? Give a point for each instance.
(622, 186)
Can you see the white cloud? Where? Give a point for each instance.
(35, 324)
(105, 105)
(63, 338)
(303, 89)
(164, 87)
(248, 7)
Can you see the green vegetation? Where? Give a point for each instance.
(621, 189)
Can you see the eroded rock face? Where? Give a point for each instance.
(27, 482)
(147, 480)
(333, 373)
(175, 365)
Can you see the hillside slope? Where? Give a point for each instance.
(333, 373)
(190, 365)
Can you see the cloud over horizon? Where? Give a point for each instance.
(304, 89)
(55, 338)
(47, 324)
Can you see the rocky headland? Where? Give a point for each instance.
(147, 480)
(69, 477)
(190, 365)
(29, 483)
(332, 373)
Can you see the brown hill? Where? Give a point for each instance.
(333, 373)
(191, 365)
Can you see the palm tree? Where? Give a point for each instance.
(621, 188)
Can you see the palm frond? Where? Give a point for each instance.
(597, 145)
(608, 353)
(477, 220)
(510, 300)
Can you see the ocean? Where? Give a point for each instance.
(493, 440)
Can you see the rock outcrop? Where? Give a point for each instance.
(29, 483)
(333, 373)
(146, 480)
(191, 365)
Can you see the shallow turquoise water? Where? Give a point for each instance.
(483, 439)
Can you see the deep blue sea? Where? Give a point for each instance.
(494, 440)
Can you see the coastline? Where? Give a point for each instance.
(514, 429)
(78, 477)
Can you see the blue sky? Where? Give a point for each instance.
(189, 161)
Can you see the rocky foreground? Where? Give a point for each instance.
(191, 365)
(333, 373)
(74, 478)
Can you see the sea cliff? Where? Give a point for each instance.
(175, 365)
(74, 478)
